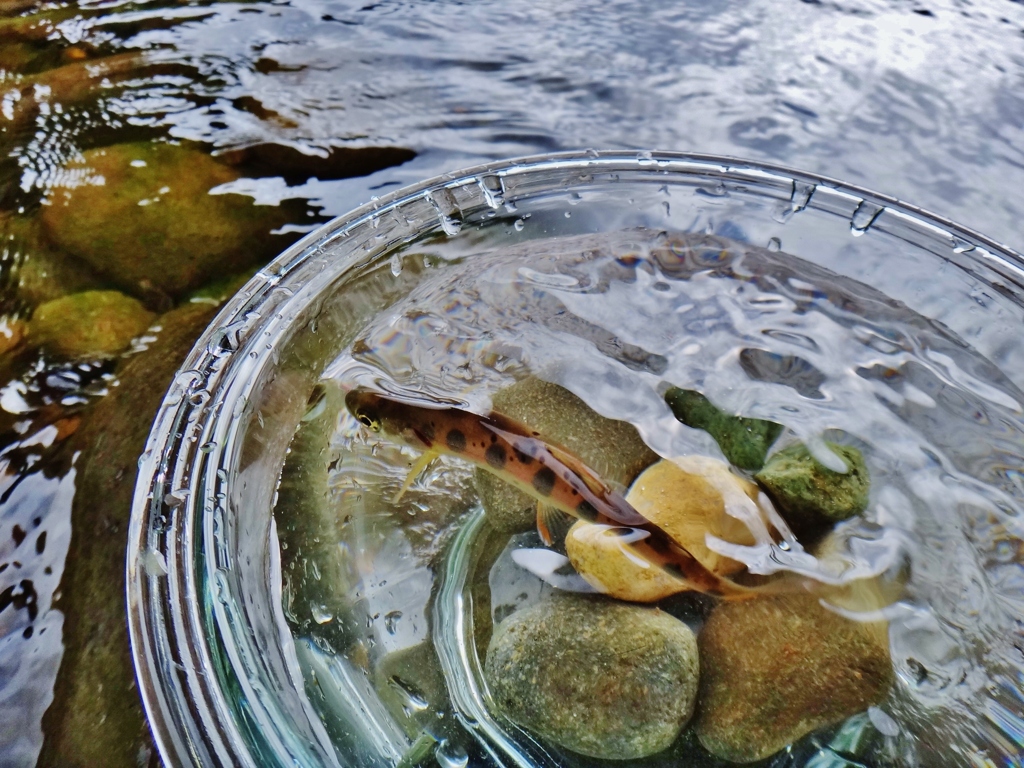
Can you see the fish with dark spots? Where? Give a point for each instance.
(455, 440)
(543, 481)
(496, 456)
(546, 472)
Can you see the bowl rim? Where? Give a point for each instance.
(161, 621)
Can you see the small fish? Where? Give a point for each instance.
(546, 472)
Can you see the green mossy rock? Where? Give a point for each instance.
(744, 442)
(37, 272)
(411, 685)
(171, 236)
(96, 718)
(776, 668)
(89, 324)
(611, 448)
(598, 677)
(810, 495)
(316, 578)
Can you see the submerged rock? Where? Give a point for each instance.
(611, 448)
(411, 685)
(685, 497)
(172, 235)
(810, 495)
(595, 676)
(12, 333)
(38, 272)
(315, 577)
(96, 717)
(776, 668)
(89, 324)
(744, 441)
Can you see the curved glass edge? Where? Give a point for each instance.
(191, 717)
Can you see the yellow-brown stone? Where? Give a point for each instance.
(776, 668)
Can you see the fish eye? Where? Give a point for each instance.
(369, 423)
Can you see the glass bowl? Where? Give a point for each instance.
(223, 678)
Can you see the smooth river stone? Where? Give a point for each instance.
(96, 717)
(88, 324)
(613, 449)
(172, 235)
(776, 668)
(598, 677)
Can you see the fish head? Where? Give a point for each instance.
(383, 415)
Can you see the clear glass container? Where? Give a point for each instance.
(224, 680)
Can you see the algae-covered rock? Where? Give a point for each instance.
(744, 441)
(411, 685)
(315, 576)
(96, 718)
(38, 273)
(611, 448)
(93, 323)
(12, 333)
(598, 677)
(685, 497)
(810, 495)
(777, 668)
(171, 235)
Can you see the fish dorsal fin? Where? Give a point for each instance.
(590, 478)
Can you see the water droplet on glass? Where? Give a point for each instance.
(774, 244)
(321, 615)
(519, 225)
(391, 621)
(960, 245)
(593, 154)
(645, 158)
(176, 497)
(801, 195)
(396, 265)
(207, 447)
(448, 213)
(883, 722)
(493, 189)
(413, 700)
(863, 217)
(449, 755)
(200, 398)
(154, 563)
(221, 588)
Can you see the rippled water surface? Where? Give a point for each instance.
(314, 108)
(762, 333)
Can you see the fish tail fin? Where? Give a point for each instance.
(415, 471)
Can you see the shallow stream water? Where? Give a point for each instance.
(314, 107)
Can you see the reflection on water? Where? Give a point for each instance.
(313, 107)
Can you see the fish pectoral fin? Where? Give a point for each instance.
(552, 523)
(414, 472)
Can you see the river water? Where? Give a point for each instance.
(923, 101)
